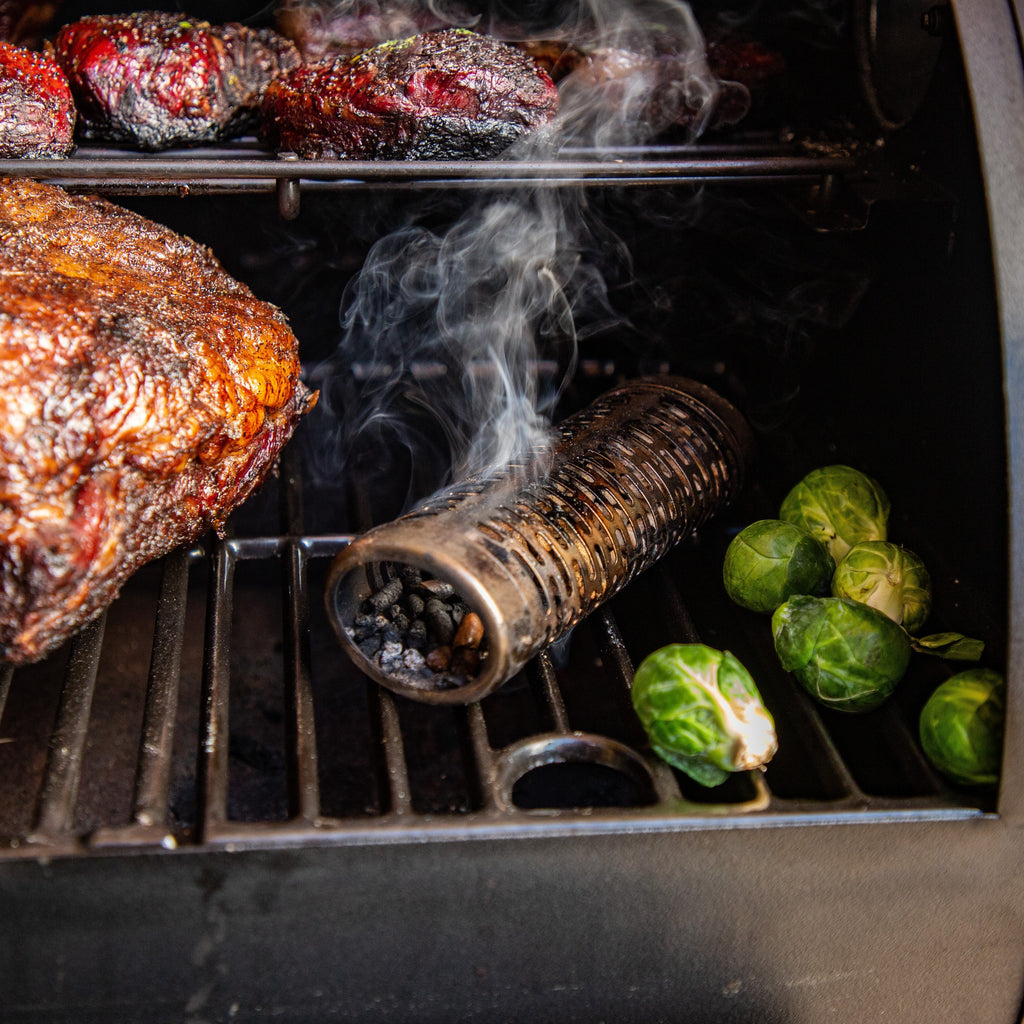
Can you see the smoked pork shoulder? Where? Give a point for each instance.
(144, 394)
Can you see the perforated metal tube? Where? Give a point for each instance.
(629, 477)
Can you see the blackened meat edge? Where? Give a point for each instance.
(144, 394)
(436, 96)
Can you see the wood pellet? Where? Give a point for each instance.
(416, 625)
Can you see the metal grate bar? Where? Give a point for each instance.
(613, 647)
(153, 774)
(483, 756)
(213, 748)
(300, 735)
(303, 781)
(617, 659)
(543, 673)
(811, 724)
(108, 170)
(394, 753)
(67, 743)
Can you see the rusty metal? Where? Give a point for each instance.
(630, 476)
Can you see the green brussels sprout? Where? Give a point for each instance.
(847, 655)
(961, 726)
(702, 712)
(840, 506)
(770, 561)
(887, 577)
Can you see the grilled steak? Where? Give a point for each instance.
(37, 113)
(144, 393)
(439, 95)
(159, 79)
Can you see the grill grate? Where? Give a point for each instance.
(242, 167)
(554, 752)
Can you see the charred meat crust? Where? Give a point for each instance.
(439, 95)
(158, 79)
(144, 394)
(37, 111)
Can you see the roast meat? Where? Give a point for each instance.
(144, 394)
(158, 79)
(444, 95)
(37, 112)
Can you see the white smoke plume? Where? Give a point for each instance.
(470, 330)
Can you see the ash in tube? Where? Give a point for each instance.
(420, 629)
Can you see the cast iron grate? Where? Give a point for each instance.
(211, 707)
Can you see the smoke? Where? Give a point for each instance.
(458, 338)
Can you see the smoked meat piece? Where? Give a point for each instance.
(437, 96)
(158, 79)
(37, 112)
(144, 394)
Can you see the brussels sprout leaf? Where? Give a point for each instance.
(951, 646)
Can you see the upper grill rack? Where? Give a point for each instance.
(242, 167)
(499, 744)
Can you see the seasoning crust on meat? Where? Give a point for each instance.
(443, 95)
(144, 394)
(159, 79)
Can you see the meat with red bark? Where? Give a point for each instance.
(144, 394)
(158, 79)
(444, 95)
(37, 112)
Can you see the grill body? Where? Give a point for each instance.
(207, 814)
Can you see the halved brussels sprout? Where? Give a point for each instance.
(771, 560)
(887, 577)
(702, 712)
(840, 506)
(961, 726)
(847, 655)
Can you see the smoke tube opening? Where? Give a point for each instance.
(423, 628)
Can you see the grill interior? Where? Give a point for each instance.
(211, 706)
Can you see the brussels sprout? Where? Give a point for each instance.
(771, 560)
(702, 712)
(961, 726)
(887, 577)
(840, 506)
(847, 655)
